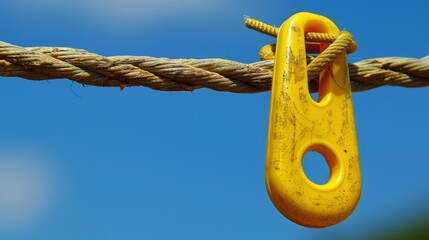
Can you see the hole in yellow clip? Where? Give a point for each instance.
(320, 85)
(321, 166)
(316, 168)
(315, 96)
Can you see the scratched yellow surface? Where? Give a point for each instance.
(299, 124)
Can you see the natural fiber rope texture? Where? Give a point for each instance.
(339, 44)
(329, 55)
(43, 63)
(309, 37)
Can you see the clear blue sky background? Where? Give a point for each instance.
(99, 163)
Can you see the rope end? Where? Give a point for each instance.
(260, 26)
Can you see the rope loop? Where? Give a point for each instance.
(339, 44)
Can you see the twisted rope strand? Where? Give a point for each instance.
(309, 37)
(43, 63)
(329, 55)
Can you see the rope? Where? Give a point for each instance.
(309, 37)
(342, 42)
(43, 63)
(371, 73)
(339, 44)
(329, 55)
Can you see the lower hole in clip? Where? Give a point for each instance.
(316, 168)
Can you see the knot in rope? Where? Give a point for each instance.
(339, 43)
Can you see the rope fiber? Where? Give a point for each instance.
(46, 63)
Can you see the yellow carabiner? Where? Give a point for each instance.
(298, 124)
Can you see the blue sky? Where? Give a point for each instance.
(99, 163)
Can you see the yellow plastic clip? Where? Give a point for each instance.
(298, 124)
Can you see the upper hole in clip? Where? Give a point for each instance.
(317, 87)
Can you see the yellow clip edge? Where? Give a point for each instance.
(298, 124)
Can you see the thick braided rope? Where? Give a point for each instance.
(43, 63)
